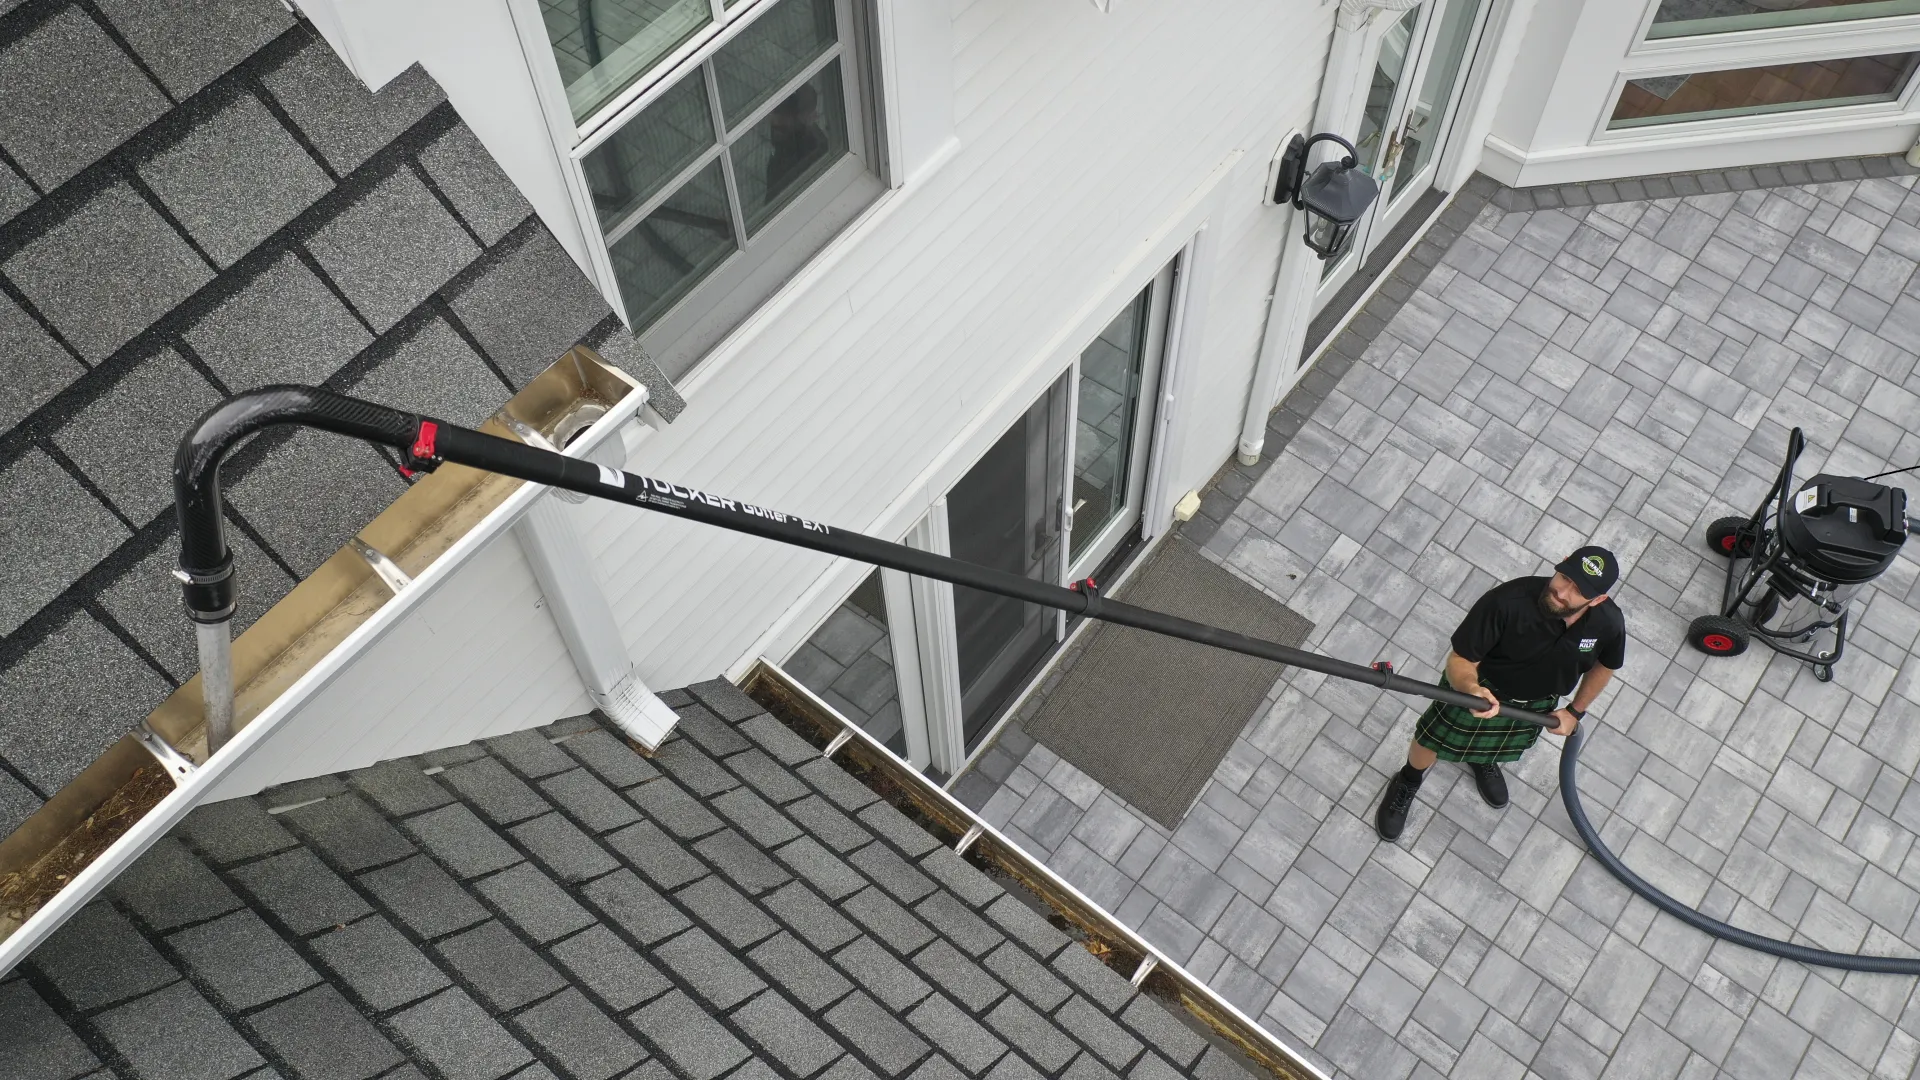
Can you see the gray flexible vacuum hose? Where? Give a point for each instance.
(1570, 795)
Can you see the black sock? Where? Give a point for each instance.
(1411, 775)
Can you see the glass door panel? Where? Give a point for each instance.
(1371, 140)
(1424, 119)
(1005, 514)
(849, 662)
(1108, 405)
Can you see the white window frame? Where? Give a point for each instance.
(1764, 36)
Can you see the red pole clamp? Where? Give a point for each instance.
(422, 457)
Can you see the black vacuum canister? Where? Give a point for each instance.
(1843, 529)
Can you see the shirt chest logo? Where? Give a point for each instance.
(1587, 643)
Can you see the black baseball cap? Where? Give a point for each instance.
(1592, 569)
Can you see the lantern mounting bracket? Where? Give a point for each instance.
(1333, 197)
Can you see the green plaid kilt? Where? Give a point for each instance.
(1455, 734)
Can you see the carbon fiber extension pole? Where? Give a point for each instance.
(206, 575)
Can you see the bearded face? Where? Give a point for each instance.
(1559, 606)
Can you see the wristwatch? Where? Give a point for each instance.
(1578, 714)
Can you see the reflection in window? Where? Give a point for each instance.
(1855, 80)
(1110, 371)
(1682, 18)
(602, 45)
(698, 174)
(849, 663)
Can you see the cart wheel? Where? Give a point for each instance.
(1730, 536)
(1823, 672)
(1717, 635)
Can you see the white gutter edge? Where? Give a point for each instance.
(850, 730)
(163, 817)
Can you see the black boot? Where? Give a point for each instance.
(1395, 801)
(1492, 785)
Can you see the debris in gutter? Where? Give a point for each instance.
(24, 891)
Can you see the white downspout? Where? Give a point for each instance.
(1298, 275)
(577, 599)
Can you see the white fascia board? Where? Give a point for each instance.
(206, 779)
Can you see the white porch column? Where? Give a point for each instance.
(1343, 90)
(577, 599)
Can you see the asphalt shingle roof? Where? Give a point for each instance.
(196, 198)
(399, 924)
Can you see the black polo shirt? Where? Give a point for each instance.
(1526, 654)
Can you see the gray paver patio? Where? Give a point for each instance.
(1625, 373)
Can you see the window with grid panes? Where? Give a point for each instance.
(697, 179)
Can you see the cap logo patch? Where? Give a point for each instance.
(1594, 565)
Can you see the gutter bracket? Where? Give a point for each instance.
(178, 765)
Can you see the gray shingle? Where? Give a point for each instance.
(874, 1032)
(462, 841)
(953, 973)
(38, 367)
(715, 736)
(1032, 1033)
(685, 762)
(730, 914)
(52, 533)
(563, 849)
(956, 1034)
(960, 876)
(954, 922)
(1164, 1031)
(345, 122)
(189, 47)
(534, 903)
(656, 854)
(833, 782)
(635, 907)
(786, 1034)
(457, 1037)
(39, 1046)
(593, 803)
(1217, 1065)
(324, 1038)
(124, 441)
(67, 76)
(348, 831)
(435, 374)
(762, 824)
(175, 1033)
(503, 797)
(742, 861)
(884, 916)
(767, 776)
(903, 831)
(610, 759)
(69, 698)
(145, 601)
(530, 752)
(423, 896)
(106, 273)
(1027, 976)
(399, 787)
(1098, 1032)
(17, 803)
(379, 963)
(284, 326)
(711, 969)
(579, 1037)
(169, 887)
(698, 1047)
(235, 179)
(668, 803)
(800, 970)
(611, 968)
(821, 868)
(530, 307)
(1026, 924)
(463, 171)
(499, 967)
(393, 248)
(825, 823)
(891, 872)
(300, 891)
(242, 960)
(728, 702)
(309, 495)
(879, 973)
(15, 196)
(1093, 978)
(1087, 1067)
(777, 739)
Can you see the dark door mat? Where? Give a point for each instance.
(1150, 717)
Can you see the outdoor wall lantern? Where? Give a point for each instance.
(1335, 195)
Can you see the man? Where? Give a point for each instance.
(1526, 643)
